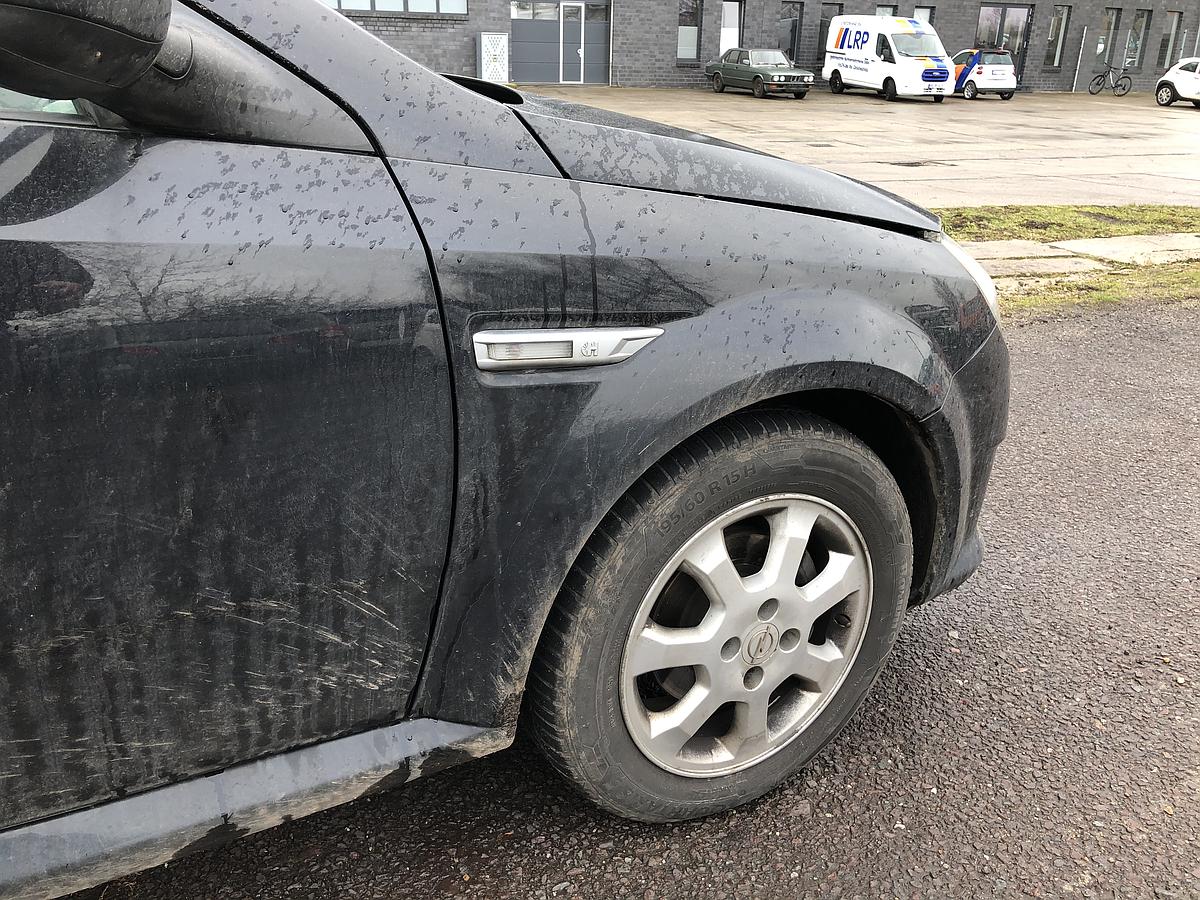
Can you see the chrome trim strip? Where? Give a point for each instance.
(558, 348)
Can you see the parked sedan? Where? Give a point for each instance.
(1180, 82)
(764, 72)
(351, 416)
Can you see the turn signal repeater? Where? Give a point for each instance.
(550, 348)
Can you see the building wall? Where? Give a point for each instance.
(645, 32)
(444, 43)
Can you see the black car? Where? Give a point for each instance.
(352, 418)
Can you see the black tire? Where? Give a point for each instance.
(970, 91)
(1096, 85)
(760, 89)
(800, 95)
(718, 83)
(835, 82)
(1007, 95)
(889, 90)
(573, 708)
(1196, 103)
(1123, 86)
(1164, 94)
(939, 98)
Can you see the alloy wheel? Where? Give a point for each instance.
(746, 635)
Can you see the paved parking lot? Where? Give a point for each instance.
(1036, 148)
(1037, 732)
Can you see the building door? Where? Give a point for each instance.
(1005, 27)
(570, 38)
(828, 12)
(731, 24)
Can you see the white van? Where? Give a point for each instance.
(896, 57)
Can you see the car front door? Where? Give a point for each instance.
(743, 73)
(1189, 81)
(225, 435)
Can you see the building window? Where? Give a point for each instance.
(688, 46)
(923, 13)
(828, 12)
(1108, 34)
(526, 9)
(1057, 35)
(882, 9)
(1135, 43)
(456, 7)
(791, 26)
(1166, 50)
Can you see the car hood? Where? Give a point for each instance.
(596, 145)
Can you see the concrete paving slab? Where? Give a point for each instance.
(1058, 265)
(1038, 149)
(982, 250)
(1138, 250)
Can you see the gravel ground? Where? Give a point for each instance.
(1037, 733)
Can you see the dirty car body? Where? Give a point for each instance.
(272, 536)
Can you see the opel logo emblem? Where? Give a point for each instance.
(760, 644)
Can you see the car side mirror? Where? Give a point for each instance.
(79, 49)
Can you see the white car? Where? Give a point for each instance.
(984, 71)
(1182, 82)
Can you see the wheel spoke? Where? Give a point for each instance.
(842, 576)
(656, 647)
(674, 727)
(749, 732)
(791, 528)
(820, 664)
(708, 562)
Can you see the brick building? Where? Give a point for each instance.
(667, 42)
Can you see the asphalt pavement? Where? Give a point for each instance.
(1036, 734)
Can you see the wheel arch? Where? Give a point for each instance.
(911, 447)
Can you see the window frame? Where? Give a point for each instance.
(698, 6)
(1143, 36)
(1166, 46)
(1110, 37)
(1060, 40)
(406, 12)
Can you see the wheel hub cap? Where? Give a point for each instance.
(745, 635)
(760, 645)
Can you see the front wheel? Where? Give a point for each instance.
(1006, 95)
(1123, 86)
(970, 91)
(800, 95)
(725, 621)
(836, 84)
(1096, 85)
(1165, 95)
(760, 90)
(889, 90)
(718, 83)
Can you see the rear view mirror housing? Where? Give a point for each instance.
(71, 49)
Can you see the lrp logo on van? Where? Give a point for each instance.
(852, 39)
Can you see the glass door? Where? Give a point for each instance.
(570, 39)
(731, 24)
(1005, 27)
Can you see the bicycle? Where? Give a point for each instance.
(1113, 77)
